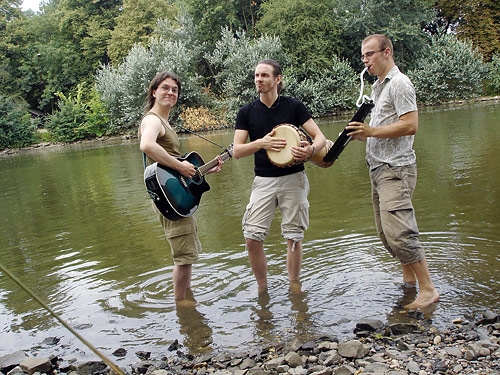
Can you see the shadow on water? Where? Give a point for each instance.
(77, 227)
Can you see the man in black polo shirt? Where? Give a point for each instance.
(273, 186)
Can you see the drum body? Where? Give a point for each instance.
(293, 136)
(317, 158)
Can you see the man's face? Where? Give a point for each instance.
(374, 57)
(167, 92)
(265, 80)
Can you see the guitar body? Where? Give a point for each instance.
(174, 195)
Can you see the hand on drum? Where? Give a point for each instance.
(302, 153)
(271, 143)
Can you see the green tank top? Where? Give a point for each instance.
(169, 141)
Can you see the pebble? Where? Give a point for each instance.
(418, 349)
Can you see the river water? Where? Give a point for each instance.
(77, 228)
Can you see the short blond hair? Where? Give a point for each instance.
(383, 41)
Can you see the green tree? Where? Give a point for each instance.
(308, 29)
(212, 16)
(135, 24)
(10, 14)
(453, 69)
(55, 49)
(234, 59)
(401, 20)
(323, 91)
(123, 88)
(16, 129)
(494, 75)
(476, 20)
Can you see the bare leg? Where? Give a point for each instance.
(294, 259)
(182, 283)
(409, 277)
(427, 293)
(258, 261)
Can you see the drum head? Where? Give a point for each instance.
(284, 157)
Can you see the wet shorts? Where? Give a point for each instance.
(182, 235)
(289, 193)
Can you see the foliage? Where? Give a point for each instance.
(323, 91)
(16, 129)
(233, 60)
(476, 20)
(453, 69)
(56, 49)
(135, 25)
(494, 75)
(79, 116)
(400, 20)
(212, 16)
(68, 123)
(87, 25)
(201, 118)
(309, 30)
(123, 89)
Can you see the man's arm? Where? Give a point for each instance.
(406, 125)
(319, 140)
(242, 149)
(151, 128)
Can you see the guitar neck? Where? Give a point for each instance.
(203, 170)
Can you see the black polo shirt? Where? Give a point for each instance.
(258, 120)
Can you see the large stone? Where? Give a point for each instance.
(91, 368)
(9, 361)
(36, 364)
(273, 364)
(345, 370)
(376, 368)
(453, 351)
(371, 325)
(402, 328)
(353, 349)
(332, 360)
(413, 367)
(294, 360)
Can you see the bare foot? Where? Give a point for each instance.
(296, 287)
(185, 303)
(424, 299)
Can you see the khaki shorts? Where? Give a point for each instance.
(182, 235)
(392, 189)
(289, 193)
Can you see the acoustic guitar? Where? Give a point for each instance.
(174, 195)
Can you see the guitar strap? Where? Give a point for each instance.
(145, 160)
(208, 140)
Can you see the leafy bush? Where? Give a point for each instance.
(453, 69)
(233, 61)
(123, 89)
(16, 129)
(309, 30)
(77, 117)
(67, 123)
(494, 75)
(323, 91)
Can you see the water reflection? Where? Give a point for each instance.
(77, 227)
(194, 327)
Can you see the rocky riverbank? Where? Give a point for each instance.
(466, 347)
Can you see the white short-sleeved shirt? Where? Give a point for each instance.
(393, 97)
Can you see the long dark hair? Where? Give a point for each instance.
(276, 69)
(159, 78)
